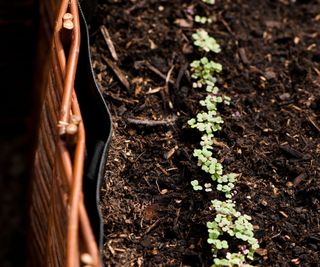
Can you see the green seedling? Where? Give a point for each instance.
(227, 178)
(196, 186)
(211, 101)
(228, 223)
(211, 2)
(226, 189)
(227, 100)
(207, 141)
(203, 70)
(207, 122)
(202, 20)
(229, 220)
(208, 187)
(207, 162)
(205, 42)
(231, 260)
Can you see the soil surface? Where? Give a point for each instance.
(271, 136)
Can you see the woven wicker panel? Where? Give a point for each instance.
(50, 191)
(53, 242)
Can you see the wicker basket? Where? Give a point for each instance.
(60, 231)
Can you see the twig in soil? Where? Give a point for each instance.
(283, 214)
(166, 89)
(146, 180)
(151, 123)
(180, 75)
(299, 179)
(294, 153)
(158, 187)
(163, 171)
(316, 71)
(295, 108)
(175, 222)
(117, 72)
(122, 250)
(139, 156)
(171, 152)
(243, 56)
(276, 235)
(153, 91)
(134, 7)
(286, 103)
(169, 75)
(313, 123)
(138, 64)
(152, 226)
(111, 248)
(107, 38)
(120, 99)
(227, 26)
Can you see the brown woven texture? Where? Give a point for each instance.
(60, 232)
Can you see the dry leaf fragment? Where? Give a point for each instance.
(152, 44)
(262, 251)
(183, 23)
(273, 24)
(150, 212)
(219, 143)
(296, 261)
(164, 191)
(283, 214)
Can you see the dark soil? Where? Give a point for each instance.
(271, 59)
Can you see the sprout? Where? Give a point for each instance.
(211, 2)
(202, 20)
(195, 185)
(205, 42)
(203, 70)
(227, 221)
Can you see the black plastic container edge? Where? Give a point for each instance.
(98, 127)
